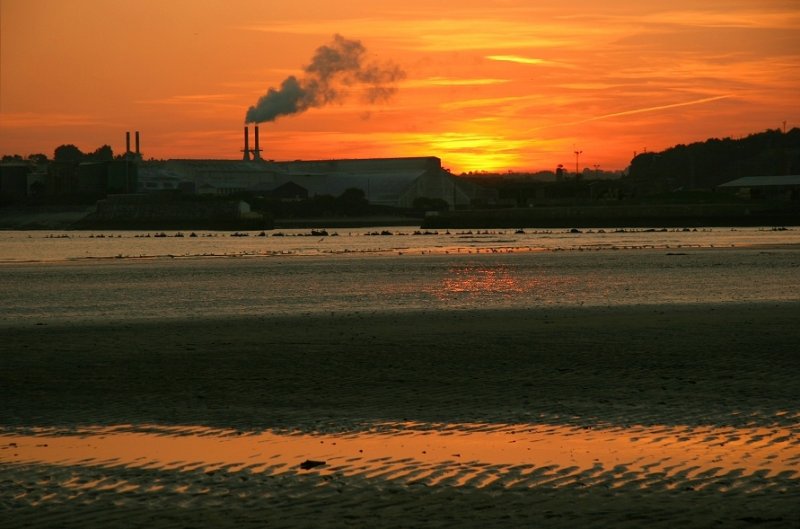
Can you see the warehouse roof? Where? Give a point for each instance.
(764, 181)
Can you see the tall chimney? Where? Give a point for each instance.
(256, 151)
(137, 142)
(127, 142)
(246, 149)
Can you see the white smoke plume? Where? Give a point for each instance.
(335, 70)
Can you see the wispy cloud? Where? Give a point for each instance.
(516, 59)
(733, 18)
(31, 119)
(488, 102)
(439, 34)
(475, 39)
(589, 85)
(191, 99)
(451, 81)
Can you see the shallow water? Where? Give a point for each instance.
(124, 290)
(72, 276)
(476, 455)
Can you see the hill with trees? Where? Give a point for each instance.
(707, 164)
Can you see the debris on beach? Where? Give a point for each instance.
(308, 464)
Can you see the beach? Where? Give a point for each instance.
(659, 415)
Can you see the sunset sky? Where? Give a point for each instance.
(489, 85)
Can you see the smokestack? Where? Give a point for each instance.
(137, 142)
(257, 150)
(246, 149)
(127, 142)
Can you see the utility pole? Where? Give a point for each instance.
(788, 169)
(596, 171)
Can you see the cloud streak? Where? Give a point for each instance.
(636, 111)
(517, 59)
(655, 108)
(450, 81)
(34, 120)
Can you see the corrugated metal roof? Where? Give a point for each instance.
(763, 181)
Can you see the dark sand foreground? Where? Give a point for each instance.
(720, 380)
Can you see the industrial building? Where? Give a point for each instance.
(395, 182)
(786, 187)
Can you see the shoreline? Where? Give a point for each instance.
(630, 216)
(81, 217)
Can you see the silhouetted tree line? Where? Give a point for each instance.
(33, 158)
(522, 193)
(67, 153)
(71, 153)
(707, 164)
(64, 179)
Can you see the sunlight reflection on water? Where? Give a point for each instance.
(466, 279)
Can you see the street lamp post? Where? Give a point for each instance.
(577, 156)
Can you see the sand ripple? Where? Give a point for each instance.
(196, 465)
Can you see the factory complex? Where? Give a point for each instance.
(394, 182)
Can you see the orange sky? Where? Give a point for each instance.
(490, 85)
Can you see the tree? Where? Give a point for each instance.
(68, 153)
(707, 164)
(101, 154)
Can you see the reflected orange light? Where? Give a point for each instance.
(453, 454)
(468, 279)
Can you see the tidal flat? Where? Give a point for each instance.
(607, 388)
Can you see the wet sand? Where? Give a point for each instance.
(654, 416)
